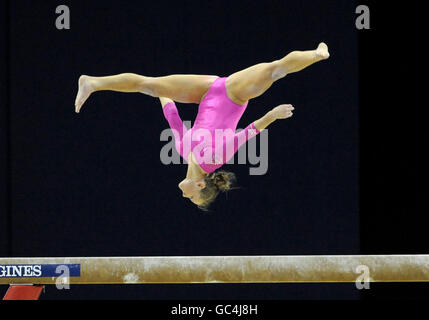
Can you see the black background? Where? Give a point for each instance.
(342, 172)
(393, 141)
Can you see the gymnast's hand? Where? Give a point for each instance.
(282, 111)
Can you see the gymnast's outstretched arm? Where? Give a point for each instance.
(282, 111)
(234, 142)
(172, 116)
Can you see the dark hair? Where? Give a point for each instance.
(216, 182)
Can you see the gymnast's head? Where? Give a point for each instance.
(204, 191)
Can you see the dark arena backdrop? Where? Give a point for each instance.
(92, 184)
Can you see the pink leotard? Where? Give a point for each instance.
(212, 139)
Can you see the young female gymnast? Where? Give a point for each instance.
(222, 101)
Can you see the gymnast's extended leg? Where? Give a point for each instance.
(255, 80)
(184, 88)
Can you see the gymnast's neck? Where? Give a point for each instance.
(194, 170)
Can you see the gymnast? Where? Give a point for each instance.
(222, 101)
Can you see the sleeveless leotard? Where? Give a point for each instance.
(212, 139)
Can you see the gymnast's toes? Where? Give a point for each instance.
(85, 90)
(322, 51)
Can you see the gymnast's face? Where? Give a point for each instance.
(191, 189)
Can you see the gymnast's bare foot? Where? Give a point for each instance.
(85, 90)
(322, 52)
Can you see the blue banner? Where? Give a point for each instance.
(39, 270)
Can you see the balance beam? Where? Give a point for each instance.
(216, 269)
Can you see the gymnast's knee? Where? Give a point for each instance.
(277, 70)
(147, 85)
